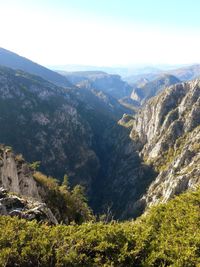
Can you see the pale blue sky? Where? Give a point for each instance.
(102, 32)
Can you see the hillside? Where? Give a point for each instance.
(14, 61)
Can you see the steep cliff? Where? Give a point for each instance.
(168, 131)
(15, 174)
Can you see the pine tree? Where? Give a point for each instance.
(65, 182)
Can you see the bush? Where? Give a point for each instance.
(69, 206)
(168, 235)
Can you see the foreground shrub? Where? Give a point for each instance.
(168, 235)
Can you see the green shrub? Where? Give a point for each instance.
(168, 235)
(68, 205)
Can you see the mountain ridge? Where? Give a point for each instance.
(14, 61)
(150, 89)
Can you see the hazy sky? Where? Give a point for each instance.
(102, 32)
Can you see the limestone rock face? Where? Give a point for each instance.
(168, 127)
(15, 175)
(179, 174)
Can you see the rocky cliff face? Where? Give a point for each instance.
(180, 170)
(168, 131)
(16, 175)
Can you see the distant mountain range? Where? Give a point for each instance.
(135, 90)
(185, 73)
(108, 83)
(123, 71)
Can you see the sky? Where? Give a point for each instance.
(102, 32)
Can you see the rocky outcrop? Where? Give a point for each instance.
(25, 208)
(16, 175)
(167, 117)
(168, 128)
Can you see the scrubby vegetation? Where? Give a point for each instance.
(68, 205)
(169, 235)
